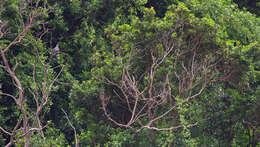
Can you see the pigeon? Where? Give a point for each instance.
(56, 50)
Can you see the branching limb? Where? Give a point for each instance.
(191, 72)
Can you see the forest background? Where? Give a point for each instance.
(130, 73)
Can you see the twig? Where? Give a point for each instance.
(74, 129)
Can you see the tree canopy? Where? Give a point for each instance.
(129, 73)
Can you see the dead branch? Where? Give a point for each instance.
(74, 129)
(192, 72)
(30, 121)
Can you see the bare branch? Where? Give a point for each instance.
(74, 129)
(167, 129)
(6, 132)
(30, 120)
(192, 73)
(9, 95)
(30, 131)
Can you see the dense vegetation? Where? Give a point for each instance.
(129, 73)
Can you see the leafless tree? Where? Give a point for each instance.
(30, 13)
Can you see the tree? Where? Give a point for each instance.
(138, 73)
(33, 77)
(251, 5)
(159, 66)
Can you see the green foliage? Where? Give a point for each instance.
(99, 38)
(250, 5)
(120, 138)
(54, 138)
